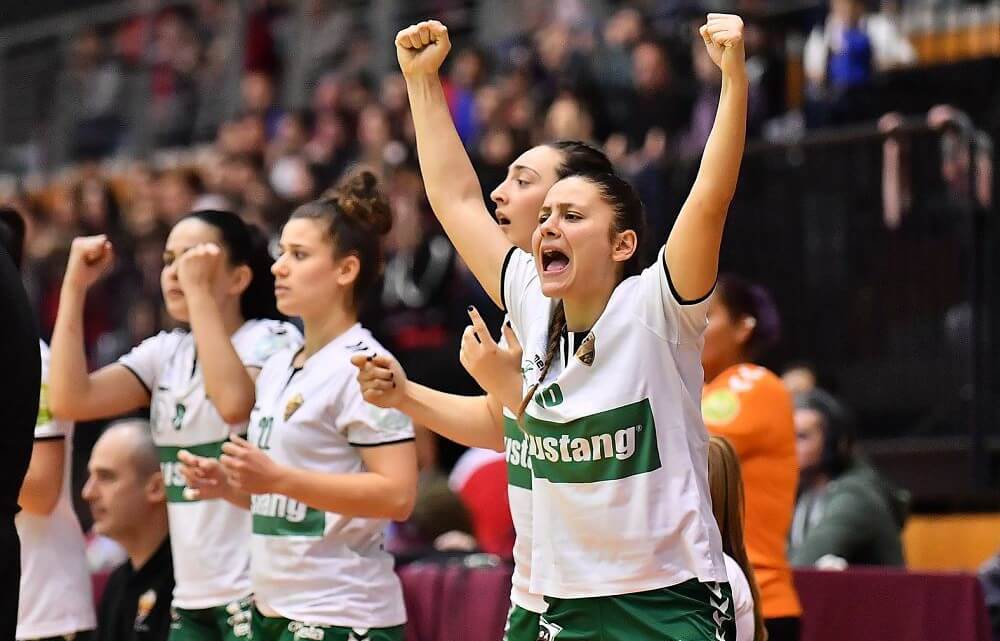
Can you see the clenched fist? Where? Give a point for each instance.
(422, 48)
(89, 258)
(723, 36)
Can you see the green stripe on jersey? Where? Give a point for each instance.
(606, 446)
(278, 515)
(171, 467)
(516, 450)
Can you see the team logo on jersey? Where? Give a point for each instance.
(548, 631)
(356, 347)
(293, 405)
(278, 515)
(179, 411)
(145, 605)
(720, 407)
(586, 352)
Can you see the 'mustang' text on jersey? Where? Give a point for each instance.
(210, 540)
(614, 444)
(307, 564)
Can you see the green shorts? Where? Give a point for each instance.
(230, 622)
(690, 611)
(282, 629)
(522, 625)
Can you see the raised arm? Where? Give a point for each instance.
(473, 421)
(74, 393)
(692, 249)
(228, 384)
(451, 183)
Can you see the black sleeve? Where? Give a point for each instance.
(20, 355)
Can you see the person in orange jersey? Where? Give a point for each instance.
(750, 406)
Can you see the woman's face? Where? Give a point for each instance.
(576, 252)
(808, 438)
(725, 338)
(186, 234)
(307, 276)
(521, 194)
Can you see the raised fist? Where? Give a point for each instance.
(89, 258)
(422, 48)
(723, 36)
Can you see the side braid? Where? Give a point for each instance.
(556, 326)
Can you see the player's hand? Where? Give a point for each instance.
(248, 468)
(198, 267)
(382, 380)
(89, 258)
(723, 36)
(205, 477)
(421, 48)
(492, 366)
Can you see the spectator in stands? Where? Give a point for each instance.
(319, 35)
(177, 191)
(55, 594)
(799, 377)
(127, 498)
(841, 55)
(844, 509)
(749, 406)
(89, 93)
(174, 59)
(658, 104)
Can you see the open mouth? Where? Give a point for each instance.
(502, 219)
(554, 261)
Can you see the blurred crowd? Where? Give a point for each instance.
(310, 104)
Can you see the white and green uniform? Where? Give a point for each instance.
(310, 566)
(519, 498)
(616, 444)
(209, 539)
(55, 594)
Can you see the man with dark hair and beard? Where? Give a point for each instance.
(19, 351)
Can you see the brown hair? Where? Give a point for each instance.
(357, 214)
(726, 485)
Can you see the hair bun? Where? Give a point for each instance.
(360, 198)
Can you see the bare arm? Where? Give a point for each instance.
(73, 392)
(474, 421)
(692, 249)
(386, 489)
(43, 482)
(451, 183)
(228, 384)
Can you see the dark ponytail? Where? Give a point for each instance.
(247, 245)
(580, 158)
(357, 215)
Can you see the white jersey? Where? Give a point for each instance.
(616, 444)
(519, 498)
(742, 600)
(309, 565)
(210, 540)
(56, 598)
